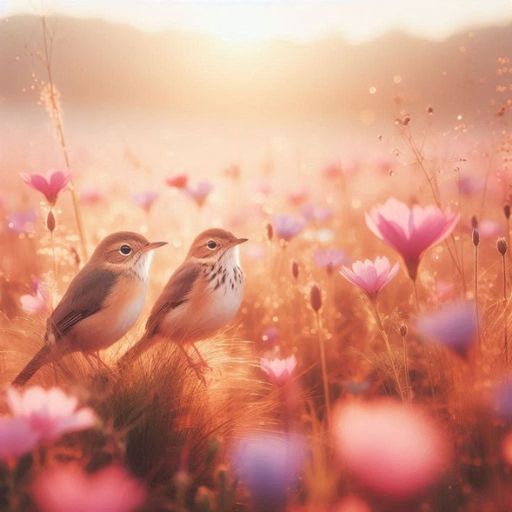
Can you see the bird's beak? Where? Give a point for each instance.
(153, 245)
(238, 241)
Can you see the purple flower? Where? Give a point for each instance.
(200, 192)
(269, 464)
(329, 259)
(145, 200)
(501, 399)
(286, 227)
(313, 213)
(454, 326)
(21, 222)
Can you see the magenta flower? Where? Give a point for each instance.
(177, 181)
(329, 259)
(22, 222)
(279, 371)
(392, 450)
(16, 438)
(50, 186)
(454, 326)
(286, 227)
(38, 302)
(69, 488)
(200, 192)
(50, 413)
(145, 200)
(371, 276)
(410, 231)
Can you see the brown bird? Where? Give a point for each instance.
(203, 295)
(102, 302)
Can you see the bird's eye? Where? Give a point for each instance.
(125, 249)
(212, 244)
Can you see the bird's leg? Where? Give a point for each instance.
(194, 366)
(202, 360)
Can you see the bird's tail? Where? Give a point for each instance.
(41, 358)
(136, 351)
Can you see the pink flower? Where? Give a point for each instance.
(371, 276)
(490, 229)
(16, 438)
(330, 259)
(200, 192)
(50, 186)
(410, 231)
(297, 196)
(286, 227)
(91, 195)
(145, 200)
(177, 181)
(51, 413)
(36, 303)
(69, 488)
(279, 371)
(391, 449)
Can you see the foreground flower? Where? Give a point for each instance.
(37, 303)
(286, 227)
(177, 181)
(200, 192)
(454, 326)
(145, 200)
(269, 464)
(278, 370)
(410, 231)
(69, 488)
(16, 438)
(50, 413)
(371, 276)
(50, 186)
(392, 450)
(329, 259)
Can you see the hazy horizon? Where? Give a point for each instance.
(241, 23)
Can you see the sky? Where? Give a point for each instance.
(258, 20)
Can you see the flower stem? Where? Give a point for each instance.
(505, 308)
(324, 368)
(416, 300)
(388, 346)
(57, 117)
(408, 390)
(476, 297)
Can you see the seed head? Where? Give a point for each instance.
(315, 298)
(50, 221)
(501, 245)
(270, 231)
(474, 221)
(475, 237)
(295, 269)
(403, 330)
(506, 211)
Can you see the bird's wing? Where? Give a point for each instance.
(176, 292)
(84, 297)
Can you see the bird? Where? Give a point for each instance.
(102, 302)
(202, 296)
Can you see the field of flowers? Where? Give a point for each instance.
(368, 366)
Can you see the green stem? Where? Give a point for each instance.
(324, 369)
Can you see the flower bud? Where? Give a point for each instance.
(501, 245)
(474, 221)
(50, 221)
(295, 269)
(270, 231)
(475, 237)
(403, 330)
(506, 211)
(315, 298)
